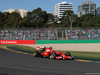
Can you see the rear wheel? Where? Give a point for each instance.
(53, 56)
(49, 55)
(36, 54)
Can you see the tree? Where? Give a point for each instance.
(27, 21)
(88, 20)
(13, 20)
(97, 22)
(39, 17)
(68, 18)
(1, 19)
(50, 19)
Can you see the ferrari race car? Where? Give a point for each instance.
(48, 52)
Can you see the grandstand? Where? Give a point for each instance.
(29, 34)
(82, 34)
(50, 34)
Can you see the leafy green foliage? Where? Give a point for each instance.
(68, 18)
(1, 18)
(40, 18)
(13, 20)
(88, 20)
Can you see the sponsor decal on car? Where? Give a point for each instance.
(45, 53)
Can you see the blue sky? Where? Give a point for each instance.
(47, 5)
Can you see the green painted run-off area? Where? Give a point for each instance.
(65, 41)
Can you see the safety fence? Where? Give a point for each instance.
(28, 34)
(50, 34)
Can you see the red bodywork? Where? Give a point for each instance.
(47, 52)
(63, 56)
(60, 55)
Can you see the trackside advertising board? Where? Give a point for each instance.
(17, 41)
(66, 41)
(47, 41)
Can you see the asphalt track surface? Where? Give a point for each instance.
(23, 64)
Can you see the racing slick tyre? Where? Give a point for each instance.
(68, 54)
(73, 58)
(53, 56)
(36, 54)
(49, 55)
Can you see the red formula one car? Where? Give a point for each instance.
(48, 52)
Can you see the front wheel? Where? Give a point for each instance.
(68, 54)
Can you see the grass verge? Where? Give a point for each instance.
(21, 48)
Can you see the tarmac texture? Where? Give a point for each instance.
(12, 63)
